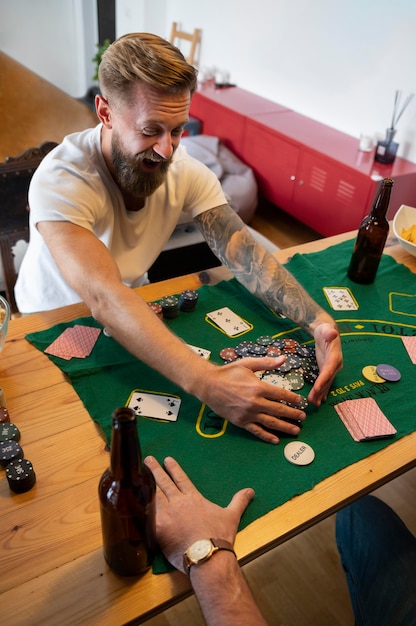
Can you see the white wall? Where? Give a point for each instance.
(337, 61)
(54, 38)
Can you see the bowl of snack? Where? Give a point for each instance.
(404, 228)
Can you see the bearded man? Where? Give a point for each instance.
(104, 203)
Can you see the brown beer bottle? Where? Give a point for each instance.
(127, 499)
(371, 238)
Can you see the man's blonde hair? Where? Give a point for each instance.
(147, 58)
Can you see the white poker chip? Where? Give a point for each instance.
(277, 380)
(299, 453)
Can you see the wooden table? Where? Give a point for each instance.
(52, 569)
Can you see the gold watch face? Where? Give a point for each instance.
(199, 550)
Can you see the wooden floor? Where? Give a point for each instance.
(300, 583)
(282, 229)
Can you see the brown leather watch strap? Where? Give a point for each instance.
(217, 544)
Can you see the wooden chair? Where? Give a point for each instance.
(15, 175)
(193, 40)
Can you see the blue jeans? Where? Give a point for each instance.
(378, 554)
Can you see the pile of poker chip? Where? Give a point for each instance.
(299, 367)
(169, 307)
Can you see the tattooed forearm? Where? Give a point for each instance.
(256, 268)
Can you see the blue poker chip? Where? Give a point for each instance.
(278, 343)
(388, 372)
(293, 361)
(10, 451)
(303, 351)
(188, 300)
(244, 348)
(258, 350)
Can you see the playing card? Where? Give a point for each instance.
(76, 341)
(348, 420)
(364, 419)
(161, 406)
(205, 354)
(229, 322)
(410, 345)
(340, 298)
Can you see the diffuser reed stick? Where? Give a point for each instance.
(397, 112)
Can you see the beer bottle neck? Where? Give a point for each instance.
(125, 455)
(381, 203)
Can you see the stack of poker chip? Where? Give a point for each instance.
(10, 449)
(19, 471)
(156, 308)
(170, 306)
(20, 475)
(188, 300)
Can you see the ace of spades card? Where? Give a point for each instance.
(160, 406)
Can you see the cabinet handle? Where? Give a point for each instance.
(293, 177)
(301, 182)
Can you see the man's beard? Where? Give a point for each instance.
(131, 177)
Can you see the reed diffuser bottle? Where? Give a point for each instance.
(386, 149)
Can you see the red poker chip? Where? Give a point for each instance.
(290, 343)
(4, 415)
(156, 308)
(273, 351)
(228, 354)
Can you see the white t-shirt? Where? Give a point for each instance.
(74, 184)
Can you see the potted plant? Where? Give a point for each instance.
(89, 98)
(101, 48)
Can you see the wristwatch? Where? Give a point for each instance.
(202, 550)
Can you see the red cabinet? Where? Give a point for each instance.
(328, 198)
(312, 171)
(223, 113)
(274, 161)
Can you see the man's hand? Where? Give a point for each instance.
(329, 358)
(235, 393)
(183, 515)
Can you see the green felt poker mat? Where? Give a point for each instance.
(221, 458)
